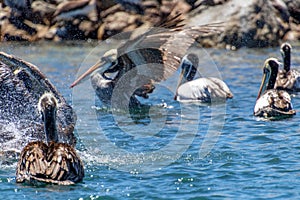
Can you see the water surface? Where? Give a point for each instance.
(161, 155)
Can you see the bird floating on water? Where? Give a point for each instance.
(53, 161)
(287, 79)
(203, 90)
(272, 103)
(146, 59)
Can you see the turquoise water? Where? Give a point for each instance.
(176, 151)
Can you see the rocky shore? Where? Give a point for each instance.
(251, 23)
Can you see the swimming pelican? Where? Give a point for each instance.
(53, 161)
(272, 103)
(204, 90)
(160, 49)
(287, 79)
(21, 86)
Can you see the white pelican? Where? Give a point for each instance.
(203, 90)
(53, 161)
(272, 103)
(287, 79)
(158, 46)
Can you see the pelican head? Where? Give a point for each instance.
(108, 60)
(188, 67)
(286, 49)
(270, 71)
(47, 105)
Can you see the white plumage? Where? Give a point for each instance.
(203, 90)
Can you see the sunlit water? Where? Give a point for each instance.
(174, 151)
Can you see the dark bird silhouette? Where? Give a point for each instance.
(53, 161)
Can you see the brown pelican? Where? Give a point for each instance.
(21, 86)
(203, 90)
(51, 162)
(288, 79)
(272, 103)
(160, 49)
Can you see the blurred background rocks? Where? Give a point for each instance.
(251, 23)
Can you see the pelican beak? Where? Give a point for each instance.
(265, 80)
(180, 82)
(107, 61)
(262, 87)
(101, 66)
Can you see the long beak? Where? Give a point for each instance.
(180, 82)
(263, 86)
(102, 65)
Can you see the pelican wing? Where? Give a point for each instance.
(34, 80)
(274, 103)
(32, 163)
(57, 163)
(288, 80)
(163, 46)
(21, 85)
(65, 166)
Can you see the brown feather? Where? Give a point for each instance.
(57, 163)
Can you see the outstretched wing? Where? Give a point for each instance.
(21, 86)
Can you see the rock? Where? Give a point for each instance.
(43, 10)
(71, 10)
(252, 23)
(117, 23)
(294, 9)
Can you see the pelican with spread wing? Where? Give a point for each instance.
(144, 60)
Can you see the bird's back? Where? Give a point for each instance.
(57, 163)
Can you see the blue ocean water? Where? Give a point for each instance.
(172, 151)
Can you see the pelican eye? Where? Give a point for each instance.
(266, 70)
(113, 63)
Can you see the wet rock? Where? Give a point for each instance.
(294, 9)
(252, 23)
(117, 23)
(43, 10)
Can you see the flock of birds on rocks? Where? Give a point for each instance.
(56, 161)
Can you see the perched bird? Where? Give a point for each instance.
(287, 79)
(146, 59)
(203, 90)
(272, 103)
(53, 161)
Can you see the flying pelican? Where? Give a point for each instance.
(204, 90)
(287, 79)
(51, 162)
(160, 49)
(272, 103)
(21, 86)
